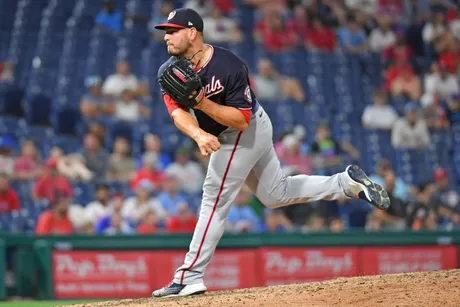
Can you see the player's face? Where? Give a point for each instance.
(177, 41)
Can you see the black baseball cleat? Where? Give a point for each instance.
(173, 290)
(369, 190)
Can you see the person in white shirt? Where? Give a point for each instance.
(455, 26)
(129, 109)
(440, 83)
(99, 207)
(123, 79)
(410, 132)
(202, 7)
(379, 115)
(220, 29)
(188, 172)
(382, 37)
(135, 207)
(433, 30)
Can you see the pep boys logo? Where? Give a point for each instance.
(213, 88)
(100, 264)
(308, 261)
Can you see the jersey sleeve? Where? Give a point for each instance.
(239, 93)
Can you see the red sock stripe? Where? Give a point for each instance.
(213, 209)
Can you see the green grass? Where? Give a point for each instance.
(44, 303)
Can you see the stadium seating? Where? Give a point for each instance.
(54, 46)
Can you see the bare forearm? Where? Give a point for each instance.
(224, 115)
(185, 122)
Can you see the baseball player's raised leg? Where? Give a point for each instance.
(275, 189)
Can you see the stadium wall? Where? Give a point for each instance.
(122, 266)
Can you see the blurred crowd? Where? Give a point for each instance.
(419, 44)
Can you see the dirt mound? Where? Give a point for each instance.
(440, 288)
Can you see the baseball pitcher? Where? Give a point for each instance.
(207, 93)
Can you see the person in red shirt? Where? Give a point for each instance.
(27, 166)
(149, 172)
(451, 57)
(400, 52)
(149, 224)
(56, 221)
(51, 180)
(319, 37)
(183, 221)
(9, 200)
(273, 33)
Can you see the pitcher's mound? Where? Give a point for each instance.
(440, 288)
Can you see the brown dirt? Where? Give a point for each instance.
(441, 288)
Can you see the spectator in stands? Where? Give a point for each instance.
(271, 86)
(276, 221)
(123, 79)
(122, 166)
(80, 221)
(56, 221)
(9, 199)
(379, 115)
(273, 34)
(94, 156)
(27, 165)
(336, 224)
(108, 18)
(299, 23)
(153, 152)
(188, 172)
(289, 154)
(7, 145)
(382, 37)
(410, 132)
(148, 172)
(416, 11)
(394, 217)
(399, 53)
(117, 226)
(184, 221)
(453, 109)
(383, 168)
(434, 114)
(170, 198)
(71, 166)
(127, 108)
(326, 151)
(100, 207)
(445, 198)
(435, 29)
(319, 37)
(93, 104)
(422, 215)
(202, 7)
(219, 29)
(406, 85)
(135, 207)
(351, 37)
(166, 8)
(149, 224)
(450, 58)
(454, 25)
(241, 217)
(440, 83)
(315, 223)
(52, 180)
(115, 206)
(7, 73)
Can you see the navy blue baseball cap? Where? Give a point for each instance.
(181, 19)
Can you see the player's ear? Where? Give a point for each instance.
(193, 33)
